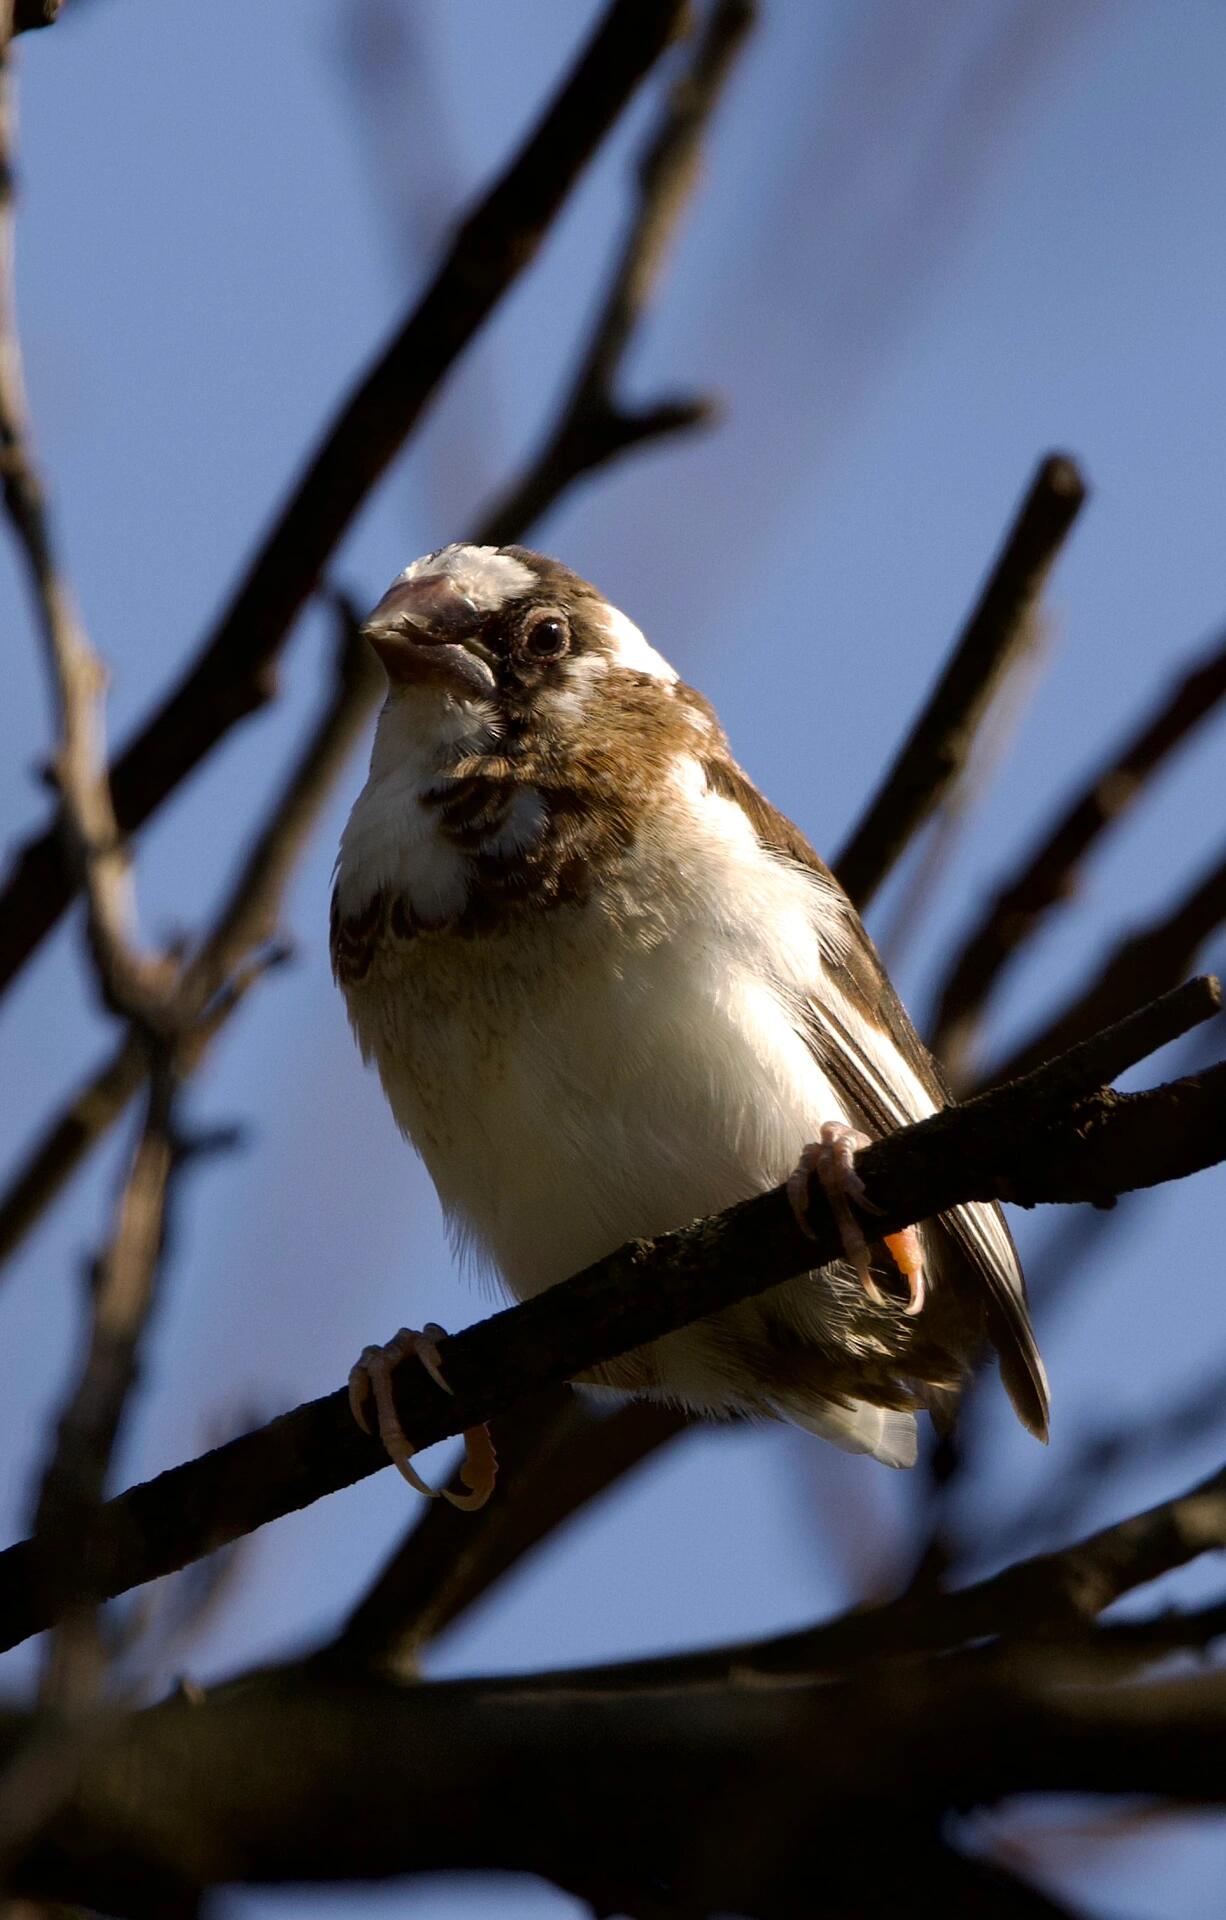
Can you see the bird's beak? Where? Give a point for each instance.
(424, 630)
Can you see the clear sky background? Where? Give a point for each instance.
(932, 243)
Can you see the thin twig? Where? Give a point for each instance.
(593, 426)
(122, 1299)
(131, 985)
(939, 744)
(233, 672)
(922, 887)
(1048, 873)
(136, 988)
(1044, 1139)
(217, 977)
(1149, 961)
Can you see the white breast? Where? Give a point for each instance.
(613, 1069)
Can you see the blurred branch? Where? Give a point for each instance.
(233, 672)
(1110, 1451)
(1147, 962)
(28, 14)
(921, 887)
(995, 637)
(612, 1795)
(122, 1297)
(593, 427)
(1050, 1595)
(1057, 1136)
(131, 985)
(216, 979)
(555, 1457)
(137, 988)
(1049, 873)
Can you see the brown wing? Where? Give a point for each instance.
(976, 1234)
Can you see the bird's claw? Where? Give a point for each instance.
(371, 1378)
(832, 1157)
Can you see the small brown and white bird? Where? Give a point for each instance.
(608, 988)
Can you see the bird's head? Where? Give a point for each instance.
(503, 637)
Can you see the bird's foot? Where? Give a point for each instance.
(832, 1157)
(371, 1378)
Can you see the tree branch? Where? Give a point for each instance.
(122, 1295)
(1051, 1137)
(555, 1456)
(28, 14)
(1149, 961)
(216, 979)
(593, 426)
(232, 674)
(131, 985)
(995, 636)
(1048, 874)
(668, 1788)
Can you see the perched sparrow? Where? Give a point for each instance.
(608, 989)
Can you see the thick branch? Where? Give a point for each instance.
(232, 674)
(1047, 1138)
(939, 745)
(1049, 872)
(716, 1796)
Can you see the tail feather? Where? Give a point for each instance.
(857, 1427)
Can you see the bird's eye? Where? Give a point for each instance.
(546, 635)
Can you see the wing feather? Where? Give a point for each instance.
(861, 1034)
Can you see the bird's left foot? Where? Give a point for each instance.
(832, 1157)
(371, 1377)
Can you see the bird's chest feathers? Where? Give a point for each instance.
(614, 1045)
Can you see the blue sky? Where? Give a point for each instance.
(931, 244)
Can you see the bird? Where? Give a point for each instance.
(608, 988)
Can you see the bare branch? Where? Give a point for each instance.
(122, 1297)
(593, 426)
(1147, 962)
(130, 985)
(1058, 1594)
(1048, 1138)
(662, 1789)
(555, 1456)
(233, 672)
(217, 978)
(1050, 871)
(28, 14)
(939, 744)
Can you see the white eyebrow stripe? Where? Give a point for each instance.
(488, 576)
(632, 649)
